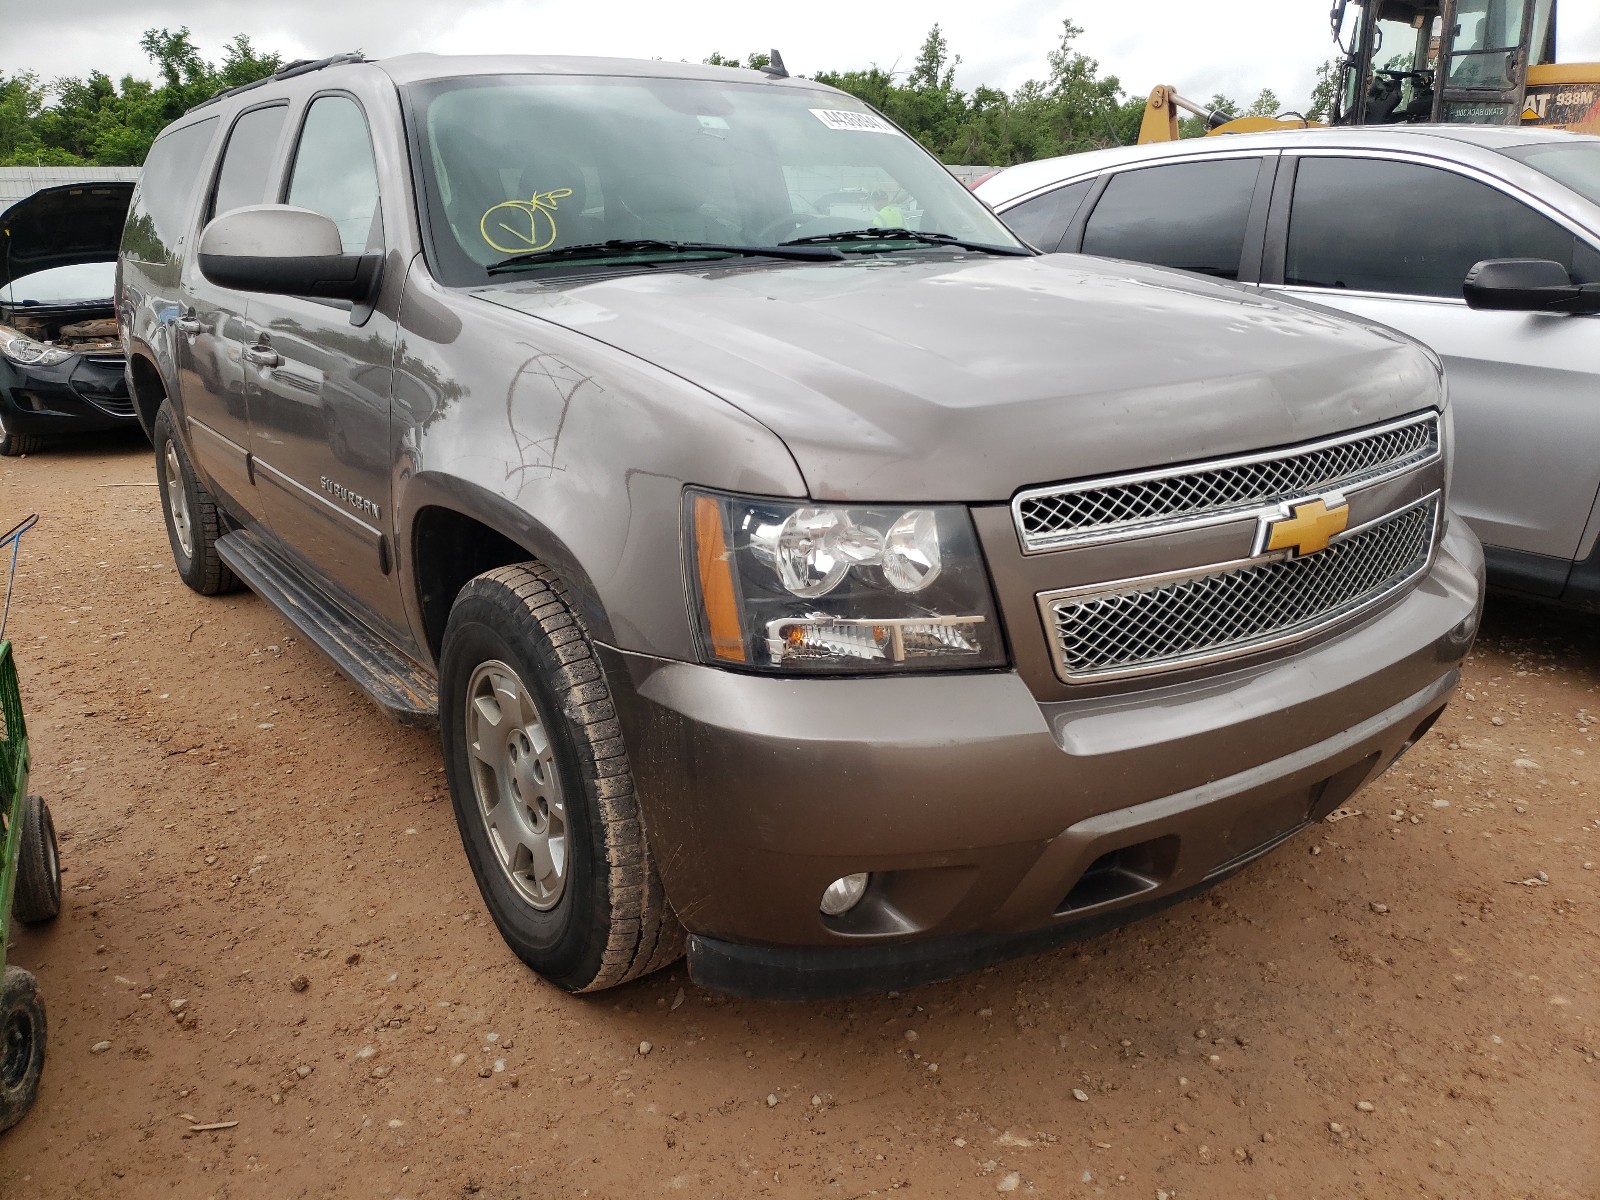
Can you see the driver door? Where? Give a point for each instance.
(317, 383)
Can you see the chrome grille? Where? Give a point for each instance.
(1071, 514)
(1202, 617)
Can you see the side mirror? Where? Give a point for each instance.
(1528, 285)
(286, 251)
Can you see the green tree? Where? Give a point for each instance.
(242, 63)
(1266, 104)
(22, 99)
(1325, 92)
(186, 78)
(752, 61)
(79, 111)
(1074, 108)
(93, 120)
(874, 85)
(928, 105)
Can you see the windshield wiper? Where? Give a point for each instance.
(898, 234)
(624, 247)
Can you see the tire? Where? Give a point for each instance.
(22, 1038)
(12, 444)
(38, 891)
(589, 912)
(193, 522)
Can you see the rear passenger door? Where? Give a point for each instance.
(1392, 239)
(317, 381)
(1207, 216)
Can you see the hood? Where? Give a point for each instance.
(923, 378)
(62, 227)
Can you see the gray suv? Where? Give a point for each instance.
(801, 571)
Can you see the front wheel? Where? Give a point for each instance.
(22, 1037)
(542, 790)
(12, 443)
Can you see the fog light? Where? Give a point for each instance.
(842, 895)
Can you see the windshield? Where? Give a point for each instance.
(80, 283)
(518, 165)
(1575, 164)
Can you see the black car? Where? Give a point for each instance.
(61, 364)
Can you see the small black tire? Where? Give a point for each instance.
(22, 1038)
(193, 521)
(13, 444)
(610, 922)
(38, 891)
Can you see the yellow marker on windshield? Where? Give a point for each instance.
(523, 226)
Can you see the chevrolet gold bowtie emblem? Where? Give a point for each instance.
(1309, 526)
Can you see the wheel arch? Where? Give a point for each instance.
(147, 387)
(453, 531)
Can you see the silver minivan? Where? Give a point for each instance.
(1386, 223)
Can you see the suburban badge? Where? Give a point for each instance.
(354, 499)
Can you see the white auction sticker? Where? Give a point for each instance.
(838, 118)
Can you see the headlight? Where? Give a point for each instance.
(781, 585)
(29, 353)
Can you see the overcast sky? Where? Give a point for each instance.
(1236, 47)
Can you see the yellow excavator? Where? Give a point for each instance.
(1481, 62)
(1161, 117)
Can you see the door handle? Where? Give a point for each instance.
(262, 356)
(189, 325)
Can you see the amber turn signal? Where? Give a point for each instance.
(716, 581)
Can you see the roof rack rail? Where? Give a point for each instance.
(303, 66)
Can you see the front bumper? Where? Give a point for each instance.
(81, 395)
(993, 823)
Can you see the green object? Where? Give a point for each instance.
(13, 785)
(27, 862)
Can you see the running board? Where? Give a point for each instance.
(407, 691)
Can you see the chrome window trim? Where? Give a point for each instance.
(1137, 165)
(1046, 190)
(1047, 600)
(1315, 293)
(1222, 516)
(1418, 157)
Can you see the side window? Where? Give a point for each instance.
(161, 203)
(1043, 220)
(1188, 215)
(335, 172)
(1376, 226)
(245, 163)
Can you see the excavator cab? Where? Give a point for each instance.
(1460, 61)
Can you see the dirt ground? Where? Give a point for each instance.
(270, 919)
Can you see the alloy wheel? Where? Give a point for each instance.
(517, 785)
(177, 499)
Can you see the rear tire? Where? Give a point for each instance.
(38, 890)
(543, 794)
(22, 1038)
(193, 522)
